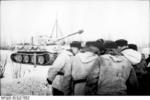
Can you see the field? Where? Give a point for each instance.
(21, 79)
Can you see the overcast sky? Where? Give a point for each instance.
(106, 19)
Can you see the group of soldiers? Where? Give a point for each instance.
(100, 67)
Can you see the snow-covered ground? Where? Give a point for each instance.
(22, 79)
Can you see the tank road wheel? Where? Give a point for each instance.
(41, 60)
(47, 58)
(32, 59)
(18, 58)
(52, 58)
(26, 58)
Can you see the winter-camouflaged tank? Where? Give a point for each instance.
(39, 54)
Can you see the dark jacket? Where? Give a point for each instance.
(148, 60)
(111, 76)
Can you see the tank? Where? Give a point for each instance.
(39, 54)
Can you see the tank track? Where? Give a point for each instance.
(32, 58)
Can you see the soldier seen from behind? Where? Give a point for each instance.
(82, 64)
(112, 74)
(141, 70)
(60, 68)
(132, 55)
(130, 51)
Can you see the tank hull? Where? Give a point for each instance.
(33, 57)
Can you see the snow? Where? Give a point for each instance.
(22, 79)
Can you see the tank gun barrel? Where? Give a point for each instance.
(79, 32)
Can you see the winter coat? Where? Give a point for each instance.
(140, 66)
(148, 60)
(60, 68)
(142, 76)
(133, 56)
(82, 64)
(110, 77)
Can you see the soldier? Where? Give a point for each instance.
(60, 68)
(130, 51)
(82, 64)
(132, 55)
(112, 74)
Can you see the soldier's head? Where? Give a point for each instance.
(101, 45)
(133, 46)
(110, 48)
(75, 47)
(92, 46)
(100, 40)
(121, 44)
